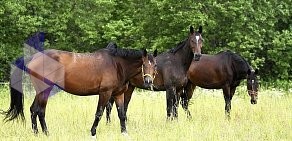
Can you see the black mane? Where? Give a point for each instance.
(178, 46)
(240, 65)
(120, 52)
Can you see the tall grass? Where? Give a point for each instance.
(70, 118)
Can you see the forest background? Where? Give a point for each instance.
(258, 30)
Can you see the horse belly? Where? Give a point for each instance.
(205, 79)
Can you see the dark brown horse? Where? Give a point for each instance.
(171, 74)
(105, 72)
(222, 71)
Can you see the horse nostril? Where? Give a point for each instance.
(148, 80)
(197, 56)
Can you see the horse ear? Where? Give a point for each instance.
(248, 72)
(191, 30)
(155, 53)
(256, 72)
(144, 52)
(200, 30)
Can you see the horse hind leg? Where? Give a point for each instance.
(38, 108)
(187, 94)
(185, 105)
(102, 101)
(33, 111)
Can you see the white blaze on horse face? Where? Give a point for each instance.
(149, 63)
(252, 81)
(197, 38)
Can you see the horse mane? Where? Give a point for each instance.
(178, 46)
(240, 65)
(120, 52)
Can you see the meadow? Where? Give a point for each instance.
(70, 118)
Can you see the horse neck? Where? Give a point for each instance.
(241, 70)
(131, 66)
(185, 55)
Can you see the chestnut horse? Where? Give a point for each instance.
(105, 72)
(224, 70)
(171, 73)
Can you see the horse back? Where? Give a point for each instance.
(212, 71)
(76, 73)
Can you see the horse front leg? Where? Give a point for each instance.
(109, 107)
(127, 98)
(171, 100)
(227, 98)
(119, 100)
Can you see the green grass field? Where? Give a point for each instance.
(70, 118)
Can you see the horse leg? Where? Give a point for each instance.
(175, 104)
(170, 99)
(102, 101)
(127, 98)
(186, 96)
(109, 107)
(119, 100)
(38, 108)
(227, 98)
(33, 111)
(232, 91)
(185, 104)
(42, 111)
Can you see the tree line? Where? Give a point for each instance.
(260, 31)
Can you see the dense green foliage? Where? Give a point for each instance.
(261, 30)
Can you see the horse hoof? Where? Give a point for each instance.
(228, 118)
(189, 117)
(46, 133)
(35, 132)
(93, 137)
(125, 133)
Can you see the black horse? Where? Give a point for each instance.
(222, 71)
(105, 72)
(171, 72)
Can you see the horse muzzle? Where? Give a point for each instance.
(252, 101)
(148, 81)
(254, 96)
(197, 56)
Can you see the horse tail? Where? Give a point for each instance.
(16, 93)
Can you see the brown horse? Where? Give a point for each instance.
(105, 72)
(171, 74)
(222, 71)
